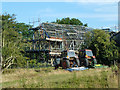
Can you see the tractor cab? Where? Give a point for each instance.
(70, 54)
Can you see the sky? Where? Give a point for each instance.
(95, 14)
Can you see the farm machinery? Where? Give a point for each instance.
(87, 58)
(70, 58)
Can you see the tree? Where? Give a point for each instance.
(72, 21)
(75, 21)
(23, 29)
(85, 25)
(104, 49)
(12, 45)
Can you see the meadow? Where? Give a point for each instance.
(50, 78)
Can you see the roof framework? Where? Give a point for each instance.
(57, 37)
(72, 35)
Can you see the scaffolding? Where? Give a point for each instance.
(49, 39)
(72, 35)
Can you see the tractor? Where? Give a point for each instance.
(67, 59)
(87, 58)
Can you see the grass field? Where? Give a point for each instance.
(50, 78)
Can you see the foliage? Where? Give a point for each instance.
(86, 25)
(24, 30)
(114, 68)
(13, 34)
(104, 49)
(34, 64)
(72, 21)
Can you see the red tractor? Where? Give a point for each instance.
(86, 58)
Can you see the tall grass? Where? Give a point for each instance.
(50, 78)
(114, 68)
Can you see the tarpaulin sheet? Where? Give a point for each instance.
(77, 69)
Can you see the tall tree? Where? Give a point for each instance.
(23, 29)
(104, 49)
(12, 45)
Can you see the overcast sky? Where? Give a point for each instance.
(97, 14)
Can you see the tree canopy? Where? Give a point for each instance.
(72, 21)
(104, 49)
(12, 35)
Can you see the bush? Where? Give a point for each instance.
(34, 64)
(114, 68)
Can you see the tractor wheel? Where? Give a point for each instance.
(86, 63)
(56, 67)
(77, 62)
(65, 64)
